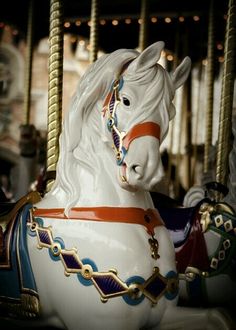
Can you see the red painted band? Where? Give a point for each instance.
(143, 129)
(149, 218)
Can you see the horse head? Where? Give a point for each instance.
(123, 103)
(137, 111)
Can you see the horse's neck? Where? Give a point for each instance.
(93, 177)
(102, 188)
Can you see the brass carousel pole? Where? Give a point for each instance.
(143, 32)
(188, 95)
(94, 31)
(210, 88)
(54, 87)
(226, 103)
(28, 68)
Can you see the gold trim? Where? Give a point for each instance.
(23, 289)
(7, 263)
(33, 197)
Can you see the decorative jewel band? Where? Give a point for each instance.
(108, 284)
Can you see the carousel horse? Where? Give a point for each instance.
(203, 231)
(205, 246)
(94, 253)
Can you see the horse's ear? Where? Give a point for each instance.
(148, 58)
(180, 75)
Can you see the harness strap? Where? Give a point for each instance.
(148, 218)
(143, 129)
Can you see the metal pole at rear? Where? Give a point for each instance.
(210, 87)
(226, 103)
(56, 38)
(143, 32)
(28, 67)
(94, 31)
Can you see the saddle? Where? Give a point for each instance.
(184, 226)
(18, 292)
(187, 227)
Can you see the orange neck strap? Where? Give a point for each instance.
(149, 218)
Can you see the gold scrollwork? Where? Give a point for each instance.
(205, 211)
(192, 272)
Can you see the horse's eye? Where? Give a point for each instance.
(126, 101)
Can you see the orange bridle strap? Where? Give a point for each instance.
(144, 129)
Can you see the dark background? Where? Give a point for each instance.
(189, 37)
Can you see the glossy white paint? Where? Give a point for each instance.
(87, 175)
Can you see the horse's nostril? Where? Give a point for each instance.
(137, 169)
(134, 167)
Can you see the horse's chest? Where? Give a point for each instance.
(102, 262)
(121, 247)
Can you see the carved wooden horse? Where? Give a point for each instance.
(101, 257)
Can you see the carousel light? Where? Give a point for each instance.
(67, 25)
(181, 19)
(153, 19)
(204, 62)
(102, 22)
(168, 20)
(88, 47)
(170, 57)
(89, 23)
(196, 18)
(78, 23)
(115, 22)
(140, 21)
(128, 21)
(81, 42)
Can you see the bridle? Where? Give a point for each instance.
(122, 140)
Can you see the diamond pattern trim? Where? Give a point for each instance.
(108, 284)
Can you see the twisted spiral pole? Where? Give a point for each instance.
(143, 32)
(210, 87)
(28, 67)
(94, 31)
(54, 86)
(225, 121)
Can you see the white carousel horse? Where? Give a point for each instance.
(100, 254)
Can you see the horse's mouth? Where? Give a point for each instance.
(135, 186)
(123, 180)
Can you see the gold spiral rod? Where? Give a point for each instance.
(55, 85)
(94, 31)
(28, 67)
(226, 102)
(143, 32)
(210, 87)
